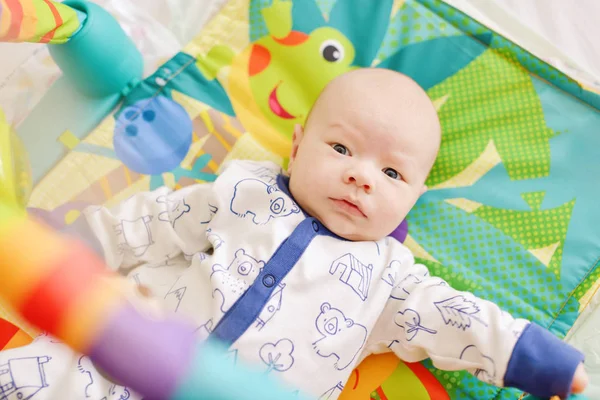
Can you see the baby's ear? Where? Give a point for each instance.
(240, 253)
(296, 139)
(298, 135)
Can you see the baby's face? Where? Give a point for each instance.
(360, 166)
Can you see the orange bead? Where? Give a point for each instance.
(28, 252)
(67, 283)
(83, 320)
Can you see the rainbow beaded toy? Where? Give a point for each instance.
(60, 286)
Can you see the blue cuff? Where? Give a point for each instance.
(541, 364)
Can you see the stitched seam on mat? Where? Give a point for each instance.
(525, 51)
(589, 272)
(584, 307)
(162, 88)
(184, 66)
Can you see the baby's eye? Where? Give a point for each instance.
(340, 148)
(392, 173)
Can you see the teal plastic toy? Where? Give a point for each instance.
(100, 59)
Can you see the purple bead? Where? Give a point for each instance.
(147, 356)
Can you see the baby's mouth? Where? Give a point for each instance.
(349, 207)
(276, 106)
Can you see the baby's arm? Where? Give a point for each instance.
(425, 318)
(152, 226)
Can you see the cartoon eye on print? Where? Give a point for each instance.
(245, 268)
(331, 326)
(332, 50)
(277, 205)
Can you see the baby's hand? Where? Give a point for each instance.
(580, 380)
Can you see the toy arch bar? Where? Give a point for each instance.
(60, 286)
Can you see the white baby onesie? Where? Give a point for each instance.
(340, 301)
(241, 260)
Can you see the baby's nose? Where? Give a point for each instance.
(360, 179)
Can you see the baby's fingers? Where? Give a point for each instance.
(580, 380)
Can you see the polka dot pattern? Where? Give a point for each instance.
(533, 229)
(258, 28)
(502, 269)
(587, 284)
(529, 61)
(461, 385)
(413, 23)
(534, 199)
(466, 280)
(492, 98)
(487, 251)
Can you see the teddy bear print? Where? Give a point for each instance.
(261, 200)
(341, 337)
(233, 281)
(175, 209)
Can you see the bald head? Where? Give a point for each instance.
(386, 98)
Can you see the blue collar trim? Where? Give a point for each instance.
(283, 182)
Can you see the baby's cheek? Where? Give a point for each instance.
(390, 216)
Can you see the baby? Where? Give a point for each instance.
(296, 272)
